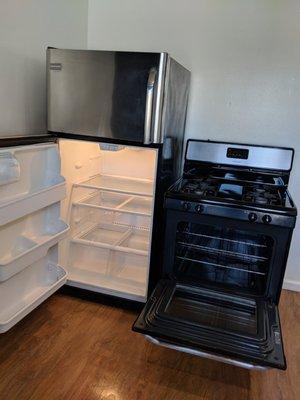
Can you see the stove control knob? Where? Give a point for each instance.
(267, 219)
(199, 208)
(252, 217)
(186, 206)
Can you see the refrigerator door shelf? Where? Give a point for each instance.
(25, 291)
(27, 170)
(9, 168)
(31, 202)
(28, 239)
(119, 184)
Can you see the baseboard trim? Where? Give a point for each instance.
(291, 285)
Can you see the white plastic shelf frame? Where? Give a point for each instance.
(111, 259)
(107, 271)
(115, 201)
(26, 240)
(26, 290)
(29, 180)
(115, 237)
(134, 186)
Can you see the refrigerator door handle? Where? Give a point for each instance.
(149, 106)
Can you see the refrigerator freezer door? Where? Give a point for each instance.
(200, 321)
(102, 93)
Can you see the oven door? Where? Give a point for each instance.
(233, 329)
(215, 301)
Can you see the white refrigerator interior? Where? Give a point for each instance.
(75, 212)
(109, 206)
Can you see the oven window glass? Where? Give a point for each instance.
(217, 311)
(223, 256)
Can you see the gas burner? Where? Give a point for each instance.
(261, 200)
(230, 190)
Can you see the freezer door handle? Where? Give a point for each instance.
(149, 106)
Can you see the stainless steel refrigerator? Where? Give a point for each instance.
(82, 205)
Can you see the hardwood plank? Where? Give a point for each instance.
(71, 348)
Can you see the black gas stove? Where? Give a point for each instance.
(229, 224)
(219, 189)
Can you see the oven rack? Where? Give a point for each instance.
(229, 245)
(225, 239)
(223, 252)
(233, 267)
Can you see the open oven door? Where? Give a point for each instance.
(244, 331)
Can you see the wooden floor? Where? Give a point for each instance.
(71, 348)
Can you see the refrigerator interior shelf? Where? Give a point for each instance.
(109, 267)
(28, 239)
(117, 202)
(30, 202)
(115, 237)
(119, 184)
(28, 289)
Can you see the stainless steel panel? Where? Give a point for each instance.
(98, 93)
(259, 157)
(172, 129)
(204, 354)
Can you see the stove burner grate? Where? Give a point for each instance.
(254, 193)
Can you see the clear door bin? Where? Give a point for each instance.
(23, 292)
(26, 240)
(31, 180)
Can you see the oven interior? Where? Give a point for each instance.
(223, 257)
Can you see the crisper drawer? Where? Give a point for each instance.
(26, 240)
(23, 292)
(108, 268)
(29, 180)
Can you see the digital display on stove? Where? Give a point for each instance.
(233, 152)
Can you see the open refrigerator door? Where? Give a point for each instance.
(31, 189)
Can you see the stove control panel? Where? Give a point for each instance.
(250, 216)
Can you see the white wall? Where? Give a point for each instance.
(26, 29)
(245, 62)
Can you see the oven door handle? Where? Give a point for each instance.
(204, 354)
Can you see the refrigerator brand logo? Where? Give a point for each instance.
(55, 66)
